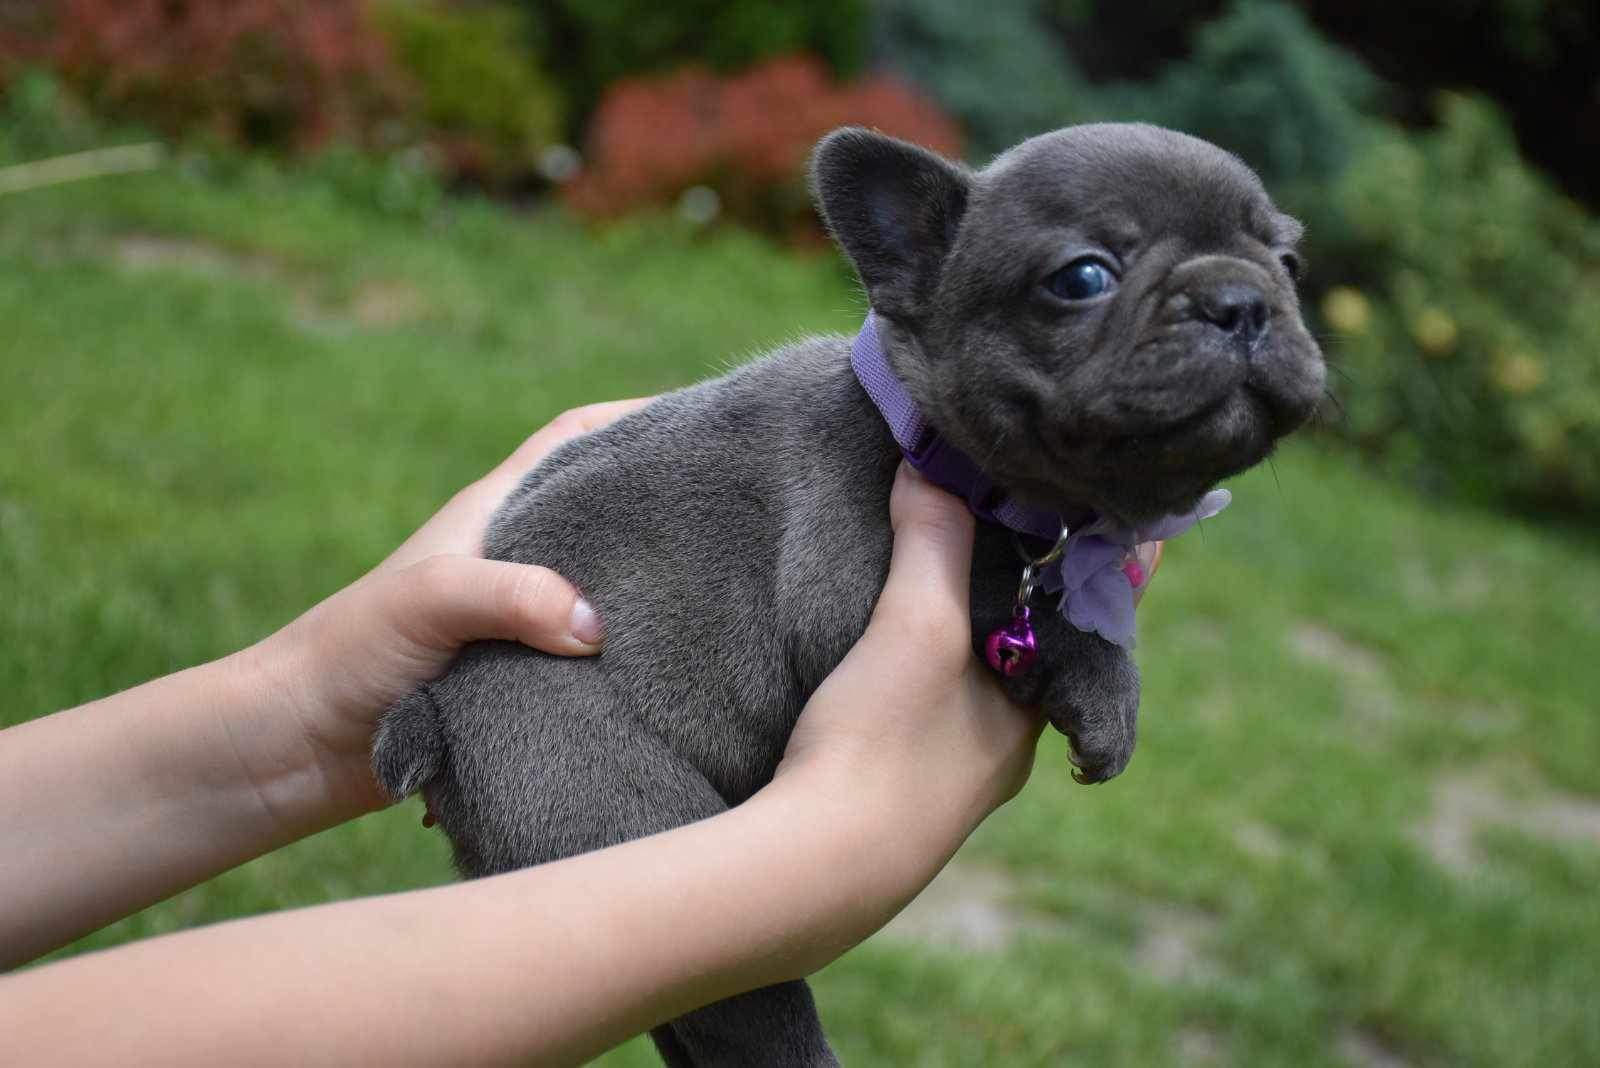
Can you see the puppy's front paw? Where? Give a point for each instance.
(1097, 708)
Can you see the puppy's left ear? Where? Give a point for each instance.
(894, 208)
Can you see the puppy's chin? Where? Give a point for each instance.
(1225, 411)
(1153, 471)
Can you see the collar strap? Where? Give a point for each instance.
(1092, 576)
(927, 450)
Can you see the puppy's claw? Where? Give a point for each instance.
(1095, 763)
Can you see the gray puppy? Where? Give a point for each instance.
(1106, 316)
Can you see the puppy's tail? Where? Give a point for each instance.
(408, 749)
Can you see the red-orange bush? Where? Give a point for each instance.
(746, 136)
(285, 73)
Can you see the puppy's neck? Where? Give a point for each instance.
(941, 462)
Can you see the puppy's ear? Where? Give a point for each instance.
(894, 208)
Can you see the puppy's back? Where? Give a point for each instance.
(732, 536)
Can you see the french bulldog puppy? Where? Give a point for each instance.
(1105, 318)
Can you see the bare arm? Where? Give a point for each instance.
(117, 804)
(896, 758)
(554, 963)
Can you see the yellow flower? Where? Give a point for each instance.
(1347, 310)
(1517, 373)
(1435, 332)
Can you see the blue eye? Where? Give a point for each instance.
(1082, 279)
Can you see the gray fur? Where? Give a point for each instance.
(734, 535)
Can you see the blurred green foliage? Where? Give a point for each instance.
(38, 118)
(483, 102)
(1466, 314)
(587, 44)
(1002, 74)
(1262, 82)
(260, 73)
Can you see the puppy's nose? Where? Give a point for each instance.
(1237, 308)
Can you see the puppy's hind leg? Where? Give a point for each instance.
(543, 764)
(775, 1026)
(408, 748)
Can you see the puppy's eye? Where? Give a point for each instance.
(1292, 264)
(1082, 279)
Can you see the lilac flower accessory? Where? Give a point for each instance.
(1093, 577)
(1097, 573)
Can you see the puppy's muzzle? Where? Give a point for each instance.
(1231, 298)
(1238, 309)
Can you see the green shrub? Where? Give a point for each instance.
(1263, 83)
(588, 44)
(257, 73)
(38, 118)
(1002, 73)
(1467, 321)
(482, 101)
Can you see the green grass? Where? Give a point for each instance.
(222, 400)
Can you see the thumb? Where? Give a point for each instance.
(931, 569)
(450, 600)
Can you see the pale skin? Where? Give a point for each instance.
(120, 803)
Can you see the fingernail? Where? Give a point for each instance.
(586, 625)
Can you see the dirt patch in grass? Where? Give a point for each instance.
(1170, 946)
(969, 907)
(975, 909)
(1363, 1049)
(376, 303)
(1259, 840)
(388, 303)
(1365, 674)
(1464, 805)
(1465, 586)
(1199, 1045)
(150, 252)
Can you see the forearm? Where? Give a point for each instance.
(554, 963)
(117, 804)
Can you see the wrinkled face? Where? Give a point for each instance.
(1113, 323)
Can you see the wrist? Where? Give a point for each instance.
(874, 837)
(308, 774)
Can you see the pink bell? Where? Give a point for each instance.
(1012, 649)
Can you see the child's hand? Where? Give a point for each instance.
(341, 664)
(911, 732)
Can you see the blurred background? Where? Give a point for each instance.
(277, 276)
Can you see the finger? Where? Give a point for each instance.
(448, 601)
(933, 532)
(1149, 555)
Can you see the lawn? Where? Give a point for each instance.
(1363, 825)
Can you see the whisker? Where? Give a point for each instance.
(1344, 416)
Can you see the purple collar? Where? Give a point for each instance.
(1093, 576)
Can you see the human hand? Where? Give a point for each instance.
(911, 729)
(341, 664)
